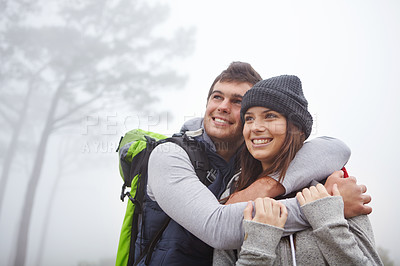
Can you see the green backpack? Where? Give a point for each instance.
(134, 150)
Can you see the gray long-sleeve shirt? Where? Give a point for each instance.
(173, 183)
(332, 240)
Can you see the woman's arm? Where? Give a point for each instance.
(339, 244)
(258, 247)
(262, 235)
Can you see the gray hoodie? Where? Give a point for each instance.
(332, 240)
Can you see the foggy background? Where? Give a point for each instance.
(76, 75)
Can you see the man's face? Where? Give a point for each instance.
(222, 118)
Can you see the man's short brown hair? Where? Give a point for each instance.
(238, 72)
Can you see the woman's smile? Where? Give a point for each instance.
(261, 141)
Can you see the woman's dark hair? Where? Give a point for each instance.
(237, 72)
(252, 168)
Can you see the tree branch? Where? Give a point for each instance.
(6, 118)
(66, 123)
(10, 106)
(62, 124)
(25, 103)
(78, 107)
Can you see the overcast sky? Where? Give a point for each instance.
(345, 52)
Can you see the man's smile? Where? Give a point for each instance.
(223, 121)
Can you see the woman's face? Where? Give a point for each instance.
(264, 132)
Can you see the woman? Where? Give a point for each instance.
(276, 123)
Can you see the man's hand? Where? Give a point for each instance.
(268, 211)
(262, 187)
(353, 195)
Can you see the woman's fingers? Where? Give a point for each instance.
(312, 194)
(267, 211)
(306, 194)
(300, 198)
(284, 212)
(248, 211)
(275, 208)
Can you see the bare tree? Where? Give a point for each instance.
(67, 163)
(12, 110)
(87, 53)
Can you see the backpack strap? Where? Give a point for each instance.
(196, 151)
(142, 161)
(197, 154)
(150, 247)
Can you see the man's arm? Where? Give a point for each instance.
(173, 183)
(353, 195)
(261, 188)
(316, 160)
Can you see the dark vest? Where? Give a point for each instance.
(178, 246)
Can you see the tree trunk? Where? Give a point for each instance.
(23, 232)
(11, 149)
(46, 220)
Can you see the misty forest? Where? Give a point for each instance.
(61, 62)
(75, 75)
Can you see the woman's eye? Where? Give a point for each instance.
(270, 115)
(248, 118)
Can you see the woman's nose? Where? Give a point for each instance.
(258, 126)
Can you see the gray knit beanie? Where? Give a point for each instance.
(284, 95)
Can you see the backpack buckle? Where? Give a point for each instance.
(194, 133)
(211, 175)
(198, 165)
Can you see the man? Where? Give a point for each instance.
(199, 222)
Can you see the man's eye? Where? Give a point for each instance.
(237, 102)
(217, 97)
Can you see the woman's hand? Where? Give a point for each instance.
(268, 211)
(314, 193)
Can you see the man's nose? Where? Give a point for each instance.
(225, 106)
